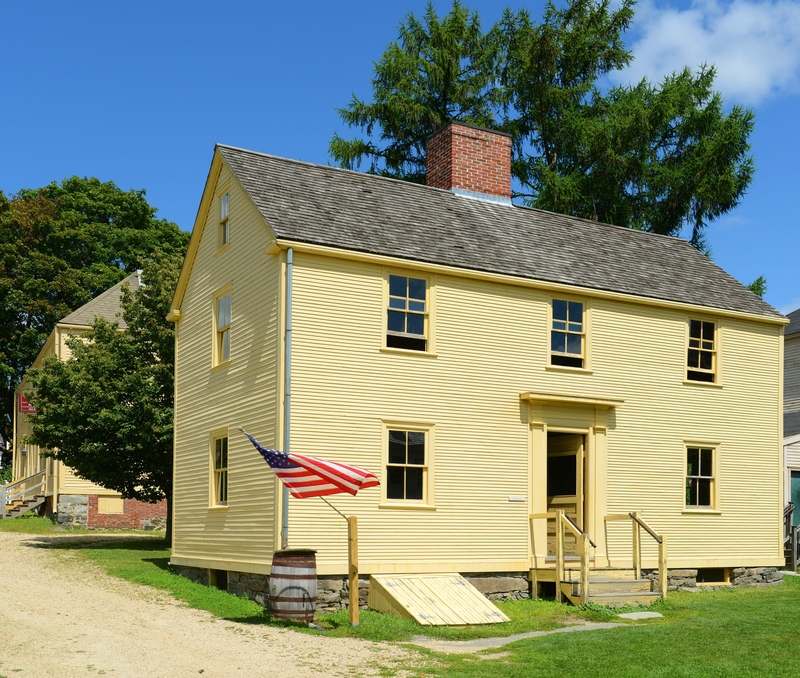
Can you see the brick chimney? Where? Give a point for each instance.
(470, 160)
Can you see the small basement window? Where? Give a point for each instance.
(219, 579)
(712, 575)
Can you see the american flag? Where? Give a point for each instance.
(308, 477)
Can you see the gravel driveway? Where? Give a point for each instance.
(62, 617)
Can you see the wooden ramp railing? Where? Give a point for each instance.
(20, 489)
(637, 524)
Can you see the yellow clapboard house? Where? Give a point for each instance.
(511, 376)
(41, 482)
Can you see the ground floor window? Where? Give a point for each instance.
(700, 478)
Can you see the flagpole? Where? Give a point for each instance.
(352, 562)
(287, 393)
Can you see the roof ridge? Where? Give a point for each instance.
(403, 182)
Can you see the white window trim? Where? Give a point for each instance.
(428, 501)
(430, 315)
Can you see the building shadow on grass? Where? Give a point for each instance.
(87, 540)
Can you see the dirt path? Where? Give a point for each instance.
(64, 618)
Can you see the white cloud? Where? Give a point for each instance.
(754, 45)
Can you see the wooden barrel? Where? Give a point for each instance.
(293, 585)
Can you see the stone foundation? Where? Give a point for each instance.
(73, 510)
(333, 591)
(686, 579)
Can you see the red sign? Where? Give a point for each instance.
(25, 406)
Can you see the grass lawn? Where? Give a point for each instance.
(729, 632)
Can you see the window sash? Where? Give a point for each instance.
(220, 465)
(700, 478)
(224, 328)
(701, 352)
(407, 466)
(568, 329)
(223, 208)
(407, 307)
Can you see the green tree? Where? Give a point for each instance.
(660, 158)
(438, 70)
(107, 412)
(758, 286)
(60, 246)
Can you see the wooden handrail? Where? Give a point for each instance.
(661, 540)
(578, 532)
(646, 527)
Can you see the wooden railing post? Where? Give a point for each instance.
(584, 569)
(662, 566)
(352, 567)
(559, 553)
(3, 502)
(637, 547)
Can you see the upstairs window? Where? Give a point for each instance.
(567, 334)
(223, 333)
(702, 352)
(407, 320)
(700, 477)
(224, 229)
(220, 477)
(406, 470)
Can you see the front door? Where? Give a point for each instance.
(565, 485)
(795, 497)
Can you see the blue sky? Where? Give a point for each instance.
(138, 93)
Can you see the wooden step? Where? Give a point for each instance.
(598, 573)
(613, 598)
(598, 586)
(620, 599)
(15, 511)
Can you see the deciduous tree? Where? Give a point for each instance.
(60, 246)
(107, 412)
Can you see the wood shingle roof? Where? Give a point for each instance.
(338, 208)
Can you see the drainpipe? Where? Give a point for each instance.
(287, 393)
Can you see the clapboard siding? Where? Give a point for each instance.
(491, 346)
(241, 393)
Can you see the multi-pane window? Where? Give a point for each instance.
(567, 334)
(700, 477)
(406, 323)
(406, 470)
(221, 471)
(702, 352)
(224, 229)
(223, 347)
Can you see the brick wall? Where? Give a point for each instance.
(137, 515)
(469, 158)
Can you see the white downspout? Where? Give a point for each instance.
(287, 393)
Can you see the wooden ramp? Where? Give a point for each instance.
(432, 599)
